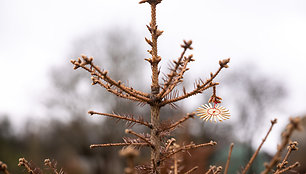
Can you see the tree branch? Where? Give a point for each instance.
(117, 144)
(187, 147)
(295, 124)
(273, 122)
(228, 158)
(187, 45)
(130, 119)
(189, 115)
(96, 71)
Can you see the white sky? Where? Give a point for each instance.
(36, 34)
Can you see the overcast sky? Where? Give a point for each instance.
(38, 34)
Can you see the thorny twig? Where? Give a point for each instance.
(98, 74)
(130, 119)
(187, 147)
(173, 74)
(200, 87)
(179, 122)
(129, 131)
(273, 122)
(118, 144)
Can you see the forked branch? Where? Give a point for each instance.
(177, 64)
(98, 74)
(295, 124)
(200, 87)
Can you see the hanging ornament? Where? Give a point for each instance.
(213, 112)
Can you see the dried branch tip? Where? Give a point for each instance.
(223, 63)
(150, 1)
(187, 44)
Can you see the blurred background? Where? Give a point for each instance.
(44, 102)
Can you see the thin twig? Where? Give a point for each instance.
(95, 71)
(273, 122)
(200, 88)
(187, 147)
(191, 170)
(189, 115)
(117, 144)
(211, 169)
(140, 136)
(295, 124)
(296, 164)
(121, 117)
(292, 147)
(173, 71)
(179, 77)
(228, 158)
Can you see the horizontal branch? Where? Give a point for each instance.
(189, 115)
(96, 71)
(117, 144)
(122, 118)
(187, 147)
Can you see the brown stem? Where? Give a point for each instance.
(189, 115)
(273, 122)
(187, 147)
(228, 158)
(296, 164)
(117, 144)
(191, 170)
(169, 81)
(155, 140)
(121, 117)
